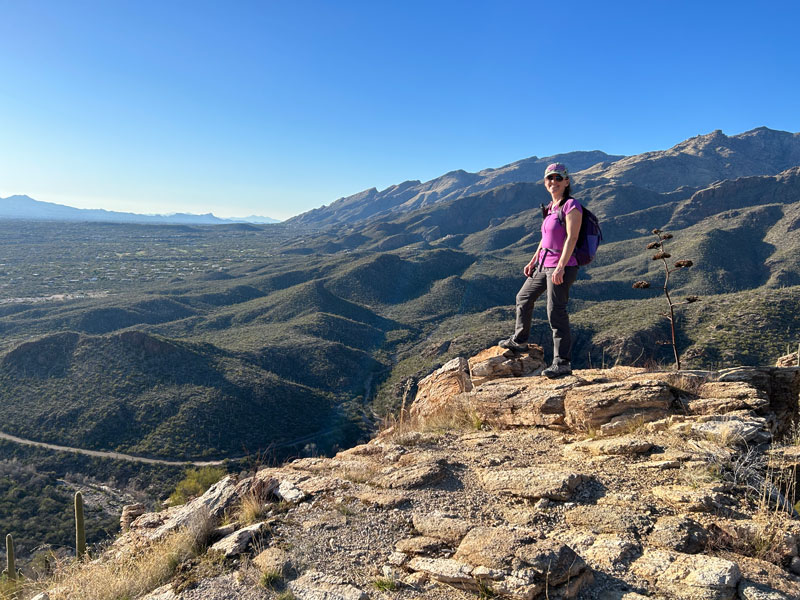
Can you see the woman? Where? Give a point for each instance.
(552, 269)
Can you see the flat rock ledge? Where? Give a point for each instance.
(547, 481)
(511, 563)
(504, 389)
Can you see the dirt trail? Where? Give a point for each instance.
(104, 454)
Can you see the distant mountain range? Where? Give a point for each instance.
(25, 207)
(693, 164)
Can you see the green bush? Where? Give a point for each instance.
(195, 483)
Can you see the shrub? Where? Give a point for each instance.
(195, 483)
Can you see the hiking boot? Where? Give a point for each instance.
(510, 344)
(557, 370)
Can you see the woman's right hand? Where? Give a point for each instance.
(530, 268)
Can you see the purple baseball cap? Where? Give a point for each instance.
(557, 168)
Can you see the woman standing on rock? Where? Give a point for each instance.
(552, 269)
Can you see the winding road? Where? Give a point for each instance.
(158, 461)
(104, 454)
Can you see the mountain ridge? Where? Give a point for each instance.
(25, 207)
(693, 163)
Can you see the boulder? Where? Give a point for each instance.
(382, 499)
(608, 551)
(679, 533)
(590, 407)
(129, 514)
(780, 384)
(510, 563)
(720, 397)
(493, 547)
(757, 591)
(436, 391)
(212, 504)
(289, 492)
(497, 362)
(688, 576)
(768, 575)
(445, 570)
(728, 430)
(505, 404)
(238, 541)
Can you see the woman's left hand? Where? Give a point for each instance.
(558, 275)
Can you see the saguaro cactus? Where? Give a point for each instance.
(80, 529)
(11, 568)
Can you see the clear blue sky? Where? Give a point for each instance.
(274, 108)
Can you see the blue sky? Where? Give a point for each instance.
(275, 108)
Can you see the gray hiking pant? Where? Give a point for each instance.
(557, 297)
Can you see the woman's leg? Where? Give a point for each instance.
(533, 287)
(557, 298)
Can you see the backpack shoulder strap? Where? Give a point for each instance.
(562, 218)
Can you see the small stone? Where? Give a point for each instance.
(383, 499)
(290, 493)
(398, 559)
(449, 529)
(318, 586)
(419, 545)
(756, 591)
(445, 570)
(273, 560)
(238, 541)
(794, 566)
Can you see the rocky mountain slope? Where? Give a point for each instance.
(615, 484)
(693, 164)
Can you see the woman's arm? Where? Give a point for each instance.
(529, 268)
(574, 218)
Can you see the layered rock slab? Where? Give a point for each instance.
(546, 481)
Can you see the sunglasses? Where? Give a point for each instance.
(554, 176)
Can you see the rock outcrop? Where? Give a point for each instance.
(614, 484)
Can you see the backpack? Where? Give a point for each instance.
(589, 237)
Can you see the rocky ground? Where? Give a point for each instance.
(613, 484)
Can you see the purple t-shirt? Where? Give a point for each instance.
(554, 235)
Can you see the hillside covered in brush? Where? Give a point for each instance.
(189, 341)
